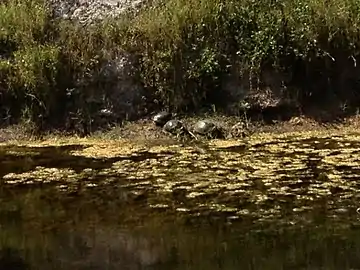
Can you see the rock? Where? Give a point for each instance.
(120, 91)
(126, 95)
(90, 11)
(162, 118)
(106, 112)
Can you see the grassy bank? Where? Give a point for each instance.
(52, 70)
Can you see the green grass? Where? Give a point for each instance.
(185, 49)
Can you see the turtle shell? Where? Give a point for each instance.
(161, 118)
(204, 127)
(173, 126)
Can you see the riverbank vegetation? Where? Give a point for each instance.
(183, 53)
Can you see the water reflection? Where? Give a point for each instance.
(97, 233)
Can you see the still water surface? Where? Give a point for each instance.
(270, 203)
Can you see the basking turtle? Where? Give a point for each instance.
(204, 127)
(174, 127)
(161, 118)
(208, 129)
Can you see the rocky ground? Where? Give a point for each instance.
(90, 11)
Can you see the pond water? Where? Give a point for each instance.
(271, 202)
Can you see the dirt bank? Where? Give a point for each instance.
(144, 130)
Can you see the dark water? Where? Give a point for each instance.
(109, 226)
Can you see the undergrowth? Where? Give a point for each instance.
(51, 70)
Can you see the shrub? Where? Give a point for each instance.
(50, 67)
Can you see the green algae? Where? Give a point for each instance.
(263, 176)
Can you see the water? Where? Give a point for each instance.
(272, 202)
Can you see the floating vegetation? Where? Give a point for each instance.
(262, 177)
(42, 175)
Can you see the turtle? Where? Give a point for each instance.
(161, 118)
(207, 128)
(174, 127)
